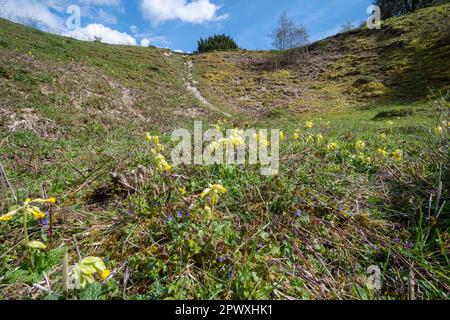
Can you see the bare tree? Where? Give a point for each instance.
(346, 27)
(288, 35)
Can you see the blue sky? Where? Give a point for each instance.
(178, 24)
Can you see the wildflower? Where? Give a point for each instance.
(213, 191)
(319, 138)
(161, 163)
(180, 214)
(397, 155)
(296, 136)
(7, 217)
(332, 146)
(155, 140)
(383, 136)
(36, 245)
(298, 213)
(38, 214)
(105, 274)
(282, 135)
(220, 259)
(382, 152)
(360, 145)
(262, 139)
(390, 124)
(361, 157)
(182, 190)
(309, 124)
(169, 217)
(439, 130)
(310, 139)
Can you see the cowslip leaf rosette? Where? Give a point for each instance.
(83, 272)
(28, 208)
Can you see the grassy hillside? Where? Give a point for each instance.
(364, 177)
(401, 62)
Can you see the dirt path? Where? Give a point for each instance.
(191, 85)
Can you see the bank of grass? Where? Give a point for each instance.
(310, 232)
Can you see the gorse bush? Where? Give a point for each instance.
(216, 43)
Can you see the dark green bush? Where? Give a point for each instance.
(216, 43)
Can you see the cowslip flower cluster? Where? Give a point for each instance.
(160, 161)
(397, 155)
(332, 146)
(29, 209)
(83, 272)
(213, 192)
(360, 145)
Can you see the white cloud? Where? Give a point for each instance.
(196, 11)
(98, 31)
(134, 29)
(111, 3)
(145, 42)
(31, 12)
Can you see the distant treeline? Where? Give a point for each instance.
(393, 8)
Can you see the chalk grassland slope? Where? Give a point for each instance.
(88, 82)
(400, 62)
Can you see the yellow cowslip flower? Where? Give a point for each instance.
(105, 274)
(282, 135)
(382, 152)
(182, 190)
(157, 149)
(332, 146)
(150, 138)
(161, 163)
(262, 139)
(213, 191)
(439, 130)
(397, 155)
(296, 136)
(37, 214)
(309, 124)
(36, 245)
(319, 138)
(383, 136)
(390, 124)
(7, 217)
(361, 157)
(360, 145)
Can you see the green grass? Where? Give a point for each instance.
(73, 117)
